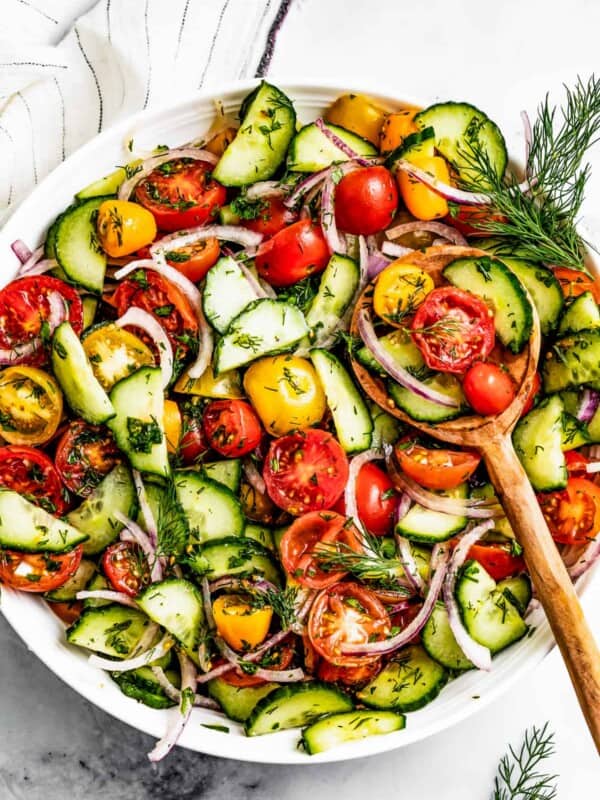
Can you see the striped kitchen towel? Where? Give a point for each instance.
(70, 68)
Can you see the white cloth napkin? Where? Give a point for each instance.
(65, 77)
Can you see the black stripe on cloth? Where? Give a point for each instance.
(12, 142)
(108, 31)
(33, 158)
(214, 41)
(149, 75)
(96, 81)
(181, 27)
(265, 11)
(267, 55)
(62, 115)
(38, 11)
(31, 64)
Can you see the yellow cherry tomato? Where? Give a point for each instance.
(220, 141)
(359, 114)
(123, 227)
(400, 290)
(286, 393)
(115, 353)
(31, 405)
(172, 425)
(256, 506)
(396, 127)
(241, 625)
(419, 199)
(225, 386)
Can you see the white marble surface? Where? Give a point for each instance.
(53, 744)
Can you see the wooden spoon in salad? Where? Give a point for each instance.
(491, 436)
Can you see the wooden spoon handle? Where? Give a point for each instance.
(549, 575)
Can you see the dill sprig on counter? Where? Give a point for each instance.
(518, 775)
(541, 223)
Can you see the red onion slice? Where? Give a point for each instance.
(133, 533)
(592, 467)
(328, 223)
(313, 181)
(265, 189)
(445, 231)
(173, 693)
(253, 476)
(207, 603)
(409, 564)
(226, 233)
(587, 559)
(343, 147)
(183, 713)
(41, 267)
(283, 676)
(377, 260)
(57, 315)
(477, 654)
(528, 135)
(395, 250)
(363, 264)
(356, 464)
(107, 594)
(395, 371)
(22, 252)
(147, 515)
(257, 287)
(590, 401)
(447, 191)
(150, 164)
(138, 318)
(273, 641)
(145, 658)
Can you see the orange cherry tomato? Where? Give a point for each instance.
(574, 282)
(242, 625)
(436, 469)
(573, 514)
(194, 260)
(422, 202)
(38, 572)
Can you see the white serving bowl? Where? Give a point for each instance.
(41, 630)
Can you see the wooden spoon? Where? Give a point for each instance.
(491, 436)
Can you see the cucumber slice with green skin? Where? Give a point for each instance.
(176, 605)
(229, 473)
(502, 529)
(456, 126)
(573, 361)
(538, 442)
(294, 706)
(425, 410)
(422, 525)
(50, 243)
(337, 288)
(76, 245)
(104, 187)
(260, 534)
(386, 429)
(518, 591)
(76, 377)
(234, 555)
(543, 288)
(311, 150)
(420, 143)
(113, 630)
(401, 348)
(593, 427)
(141, 685)
(408, 682)
(25, 526)
(238, 702)
(268, 123)
(98, 582)
(228, 217)
(76, 583)
(575, 433)
(227, 292)
(266, 327)
(582, 314)
(349, 726)
(138, 428)
(489, 279)
(173, 529)
(90, 306)
(211, 509)
(489, 616)
(353, 423)
(95, 517)
(439, 642)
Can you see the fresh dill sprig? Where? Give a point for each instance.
(374, 562)
(282, 602)
(542, 222)
(173, 530)
(518, 777)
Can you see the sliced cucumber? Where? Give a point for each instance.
(489, 616)
(488, 278)
(238, 702)
(211, 509)
(294, 706)
(582, 314)
(353, 423)
(420, 143)
(76, 377)
(227, 293)
(138, 426)
(176, 605)
(573, 361)
(408, 682)
(98, 582)
(76, 583)
(104, 187)
(90, 306)
(95, 516)
(386, 429)
(25, 526)
(142, 685)
(114, 630)
(265, 328)
(260, 534)
(502, 529)
(543, 288)
(574, 433)
(426, 410)
(268, 122)
(518, 591)
(337, 288)
(311, 150)
(349, 726)
(234, 555)
(229, 473)
(457, 127)
(422, 525)
(76, 247)
(538, 440)
(401, 348)
(439, 642)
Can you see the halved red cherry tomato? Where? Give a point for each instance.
(497, 559)
(452, 329)
(31, 473)
(308, 536)
(376, 499)
(24, 310)
(469, 219)
(576, 462)
(68, 612)
(193, 442)
(488, 388)
(536, 385)
(38, 572)
(366, 201)
(297, 251)
(84, 455)
(435, 469)
(278, 658)
(273, 217)
(180, 194)
(126, 568)
(355, 677)
(574, 282)
(231, 427)
(194, 260)
(305, 471)
(346, 613)
(573, 514)
(148, 290)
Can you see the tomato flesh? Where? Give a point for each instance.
(435, 469)
(488, 388)
(84, 455)
(126, 568)
(292, 254)
(573, 514)
(194, 260)
(353, 677)
(33, 475)
(272, 217)
(231, 427)
(376, 500)
(38, 572)
(497, 560)
(366, 201)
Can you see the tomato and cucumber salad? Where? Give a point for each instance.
(191, 470)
